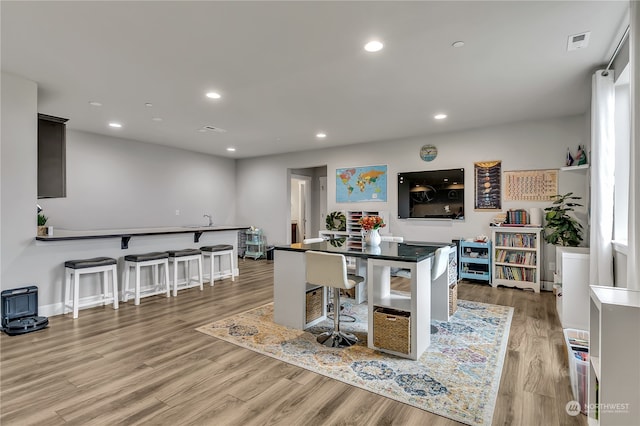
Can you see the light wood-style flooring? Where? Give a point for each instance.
(147, 365)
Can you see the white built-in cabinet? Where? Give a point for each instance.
(614, 367)
(572, 282)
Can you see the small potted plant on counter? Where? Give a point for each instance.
(42, 222)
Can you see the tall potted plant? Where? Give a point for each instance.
(562, 229)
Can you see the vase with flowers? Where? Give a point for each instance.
(370, 225)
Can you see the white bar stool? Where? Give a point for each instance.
(186, 256)
(219, 251)
(137, 261)
(75, 268)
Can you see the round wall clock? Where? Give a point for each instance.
(428, 152)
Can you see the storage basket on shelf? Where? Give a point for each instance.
(453, 298)
(391, 330)
(314, 304)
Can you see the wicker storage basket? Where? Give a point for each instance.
(314, 304)
(453, 298)
(391, 330)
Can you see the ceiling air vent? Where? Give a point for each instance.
(578, 41)
(214, 129)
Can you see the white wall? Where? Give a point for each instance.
(119, 183)
(18, 154)
(111, 183)
(262, 182)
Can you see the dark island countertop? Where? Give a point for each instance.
(409, 251)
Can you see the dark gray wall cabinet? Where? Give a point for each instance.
(52, 182)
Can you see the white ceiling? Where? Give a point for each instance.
(287, 70)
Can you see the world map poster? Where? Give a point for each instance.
(361, 184)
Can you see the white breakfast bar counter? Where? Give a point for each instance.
(126, 234)
(424, 301)
(52, 251)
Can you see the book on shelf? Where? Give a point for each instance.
(520, 258)
(517, 217)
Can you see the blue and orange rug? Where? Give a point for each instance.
(457, 377)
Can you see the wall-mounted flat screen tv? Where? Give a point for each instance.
(431, 194)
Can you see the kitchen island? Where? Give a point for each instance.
(426, 299)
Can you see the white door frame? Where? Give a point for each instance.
(305, 203)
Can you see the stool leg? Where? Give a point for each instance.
(187, 272)
(167, 283)
(76, 290)
(105, 285)
(200, 272)
(125, 292)
(175, 277)
(114, 277)
(233, 269)
(67, 290)
(137, 294)
(156, 283)
(212, 259)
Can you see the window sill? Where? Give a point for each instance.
(621, 247)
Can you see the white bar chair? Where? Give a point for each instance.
(138, 261)
(330, 270)
(219, 251)
(186, 256)
(74, 269)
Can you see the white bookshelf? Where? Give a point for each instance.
(614, 367)
(516, 257)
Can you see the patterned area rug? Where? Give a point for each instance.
(457, 377)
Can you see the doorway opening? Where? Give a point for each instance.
(307, 196)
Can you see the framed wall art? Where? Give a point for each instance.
(530, 185)
(488, 191)
(354, 184)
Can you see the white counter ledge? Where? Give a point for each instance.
(126, 234)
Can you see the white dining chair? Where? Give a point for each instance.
(391, 238)
(440, 262)
(312, 240)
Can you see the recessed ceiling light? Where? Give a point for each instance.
(373, 46)
(116, 125)
(157, 119)
(321, 135)
(95, 104)
(148, 104)
(458, 44)
(213, 95)
(231, 149)
(440, 116)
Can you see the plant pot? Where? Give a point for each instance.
(42, 231)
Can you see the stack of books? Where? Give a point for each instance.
(517, 217)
